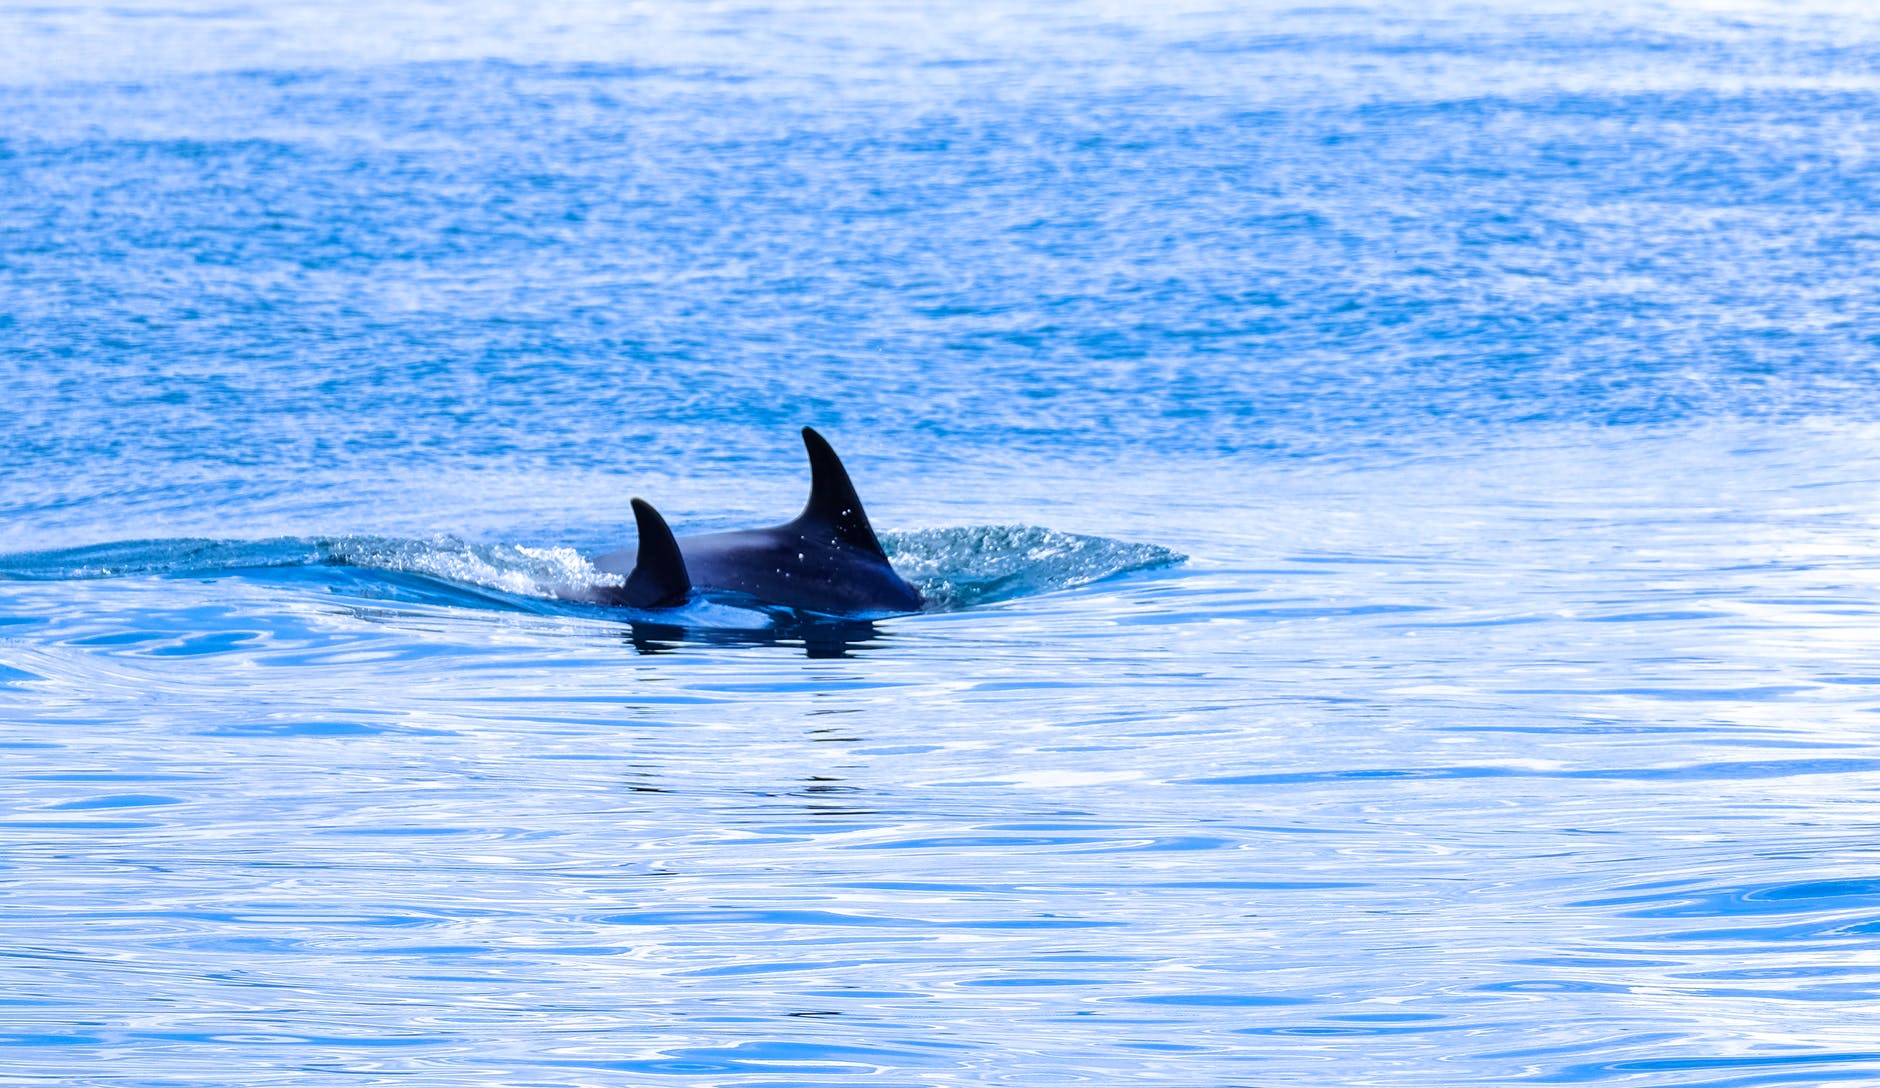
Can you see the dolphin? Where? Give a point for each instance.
(827, 560)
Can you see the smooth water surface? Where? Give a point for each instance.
(1396, 485)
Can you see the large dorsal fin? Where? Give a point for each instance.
(832, 499)
(659, 579)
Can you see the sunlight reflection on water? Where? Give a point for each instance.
(1511, 718)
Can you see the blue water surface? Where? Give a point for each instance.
(1395, 486)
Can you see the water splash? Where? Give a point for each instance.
(957, 568)
(511, 568)
(954, 568)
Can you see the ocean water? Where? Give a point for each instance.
(1396, 485)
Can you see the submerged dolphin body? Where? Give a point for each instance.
(827, 560)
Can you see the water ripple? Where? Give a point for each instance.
(1503, 377)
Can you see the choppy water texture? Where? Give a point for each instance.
(1397, 486)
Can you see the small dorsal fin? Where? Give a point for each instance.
(659, 579)
(832, 499)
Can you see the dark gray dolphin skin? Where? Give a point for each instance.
(827, 560)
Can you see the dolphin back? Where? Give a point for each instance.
(828, 560)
